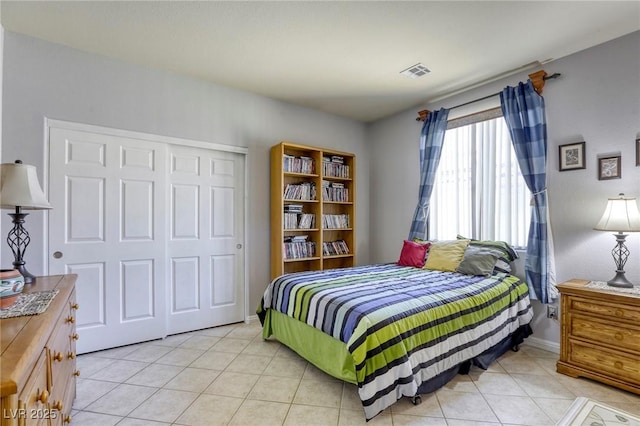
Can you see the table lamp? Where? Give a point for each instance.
(621, 215)
(20, 190)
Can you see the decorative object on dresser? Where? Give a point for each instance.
(600, 334)
(38, 365)
(621, 215)
(20, 190)
(11, 285)
(312, 208)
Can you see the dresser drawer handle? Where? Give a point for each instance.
(75, 336)
(618, 364)
(619, 336)
(619, 313)
(75, 306)
(71, 355)
(57, 405)
(43, 397)
(58, 357)
(71, 320)
(67, 419)
(76, 373)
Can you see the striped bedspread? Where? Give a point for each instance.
(403, 325)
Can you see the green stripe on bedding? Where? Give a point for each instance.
(401, 325)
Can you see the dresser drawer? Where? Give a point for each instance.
(33, 401)
(598, 307)
(616, 364)
(626, 337)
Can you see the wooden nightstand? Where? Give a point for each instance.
(600, 335)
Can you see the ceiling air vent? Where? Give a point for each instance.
(415, 71)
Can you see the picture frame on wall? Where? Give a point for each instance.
(572, 156)
(609, 168)
(637, 152)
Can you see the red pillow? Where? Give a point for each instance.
(413, 254)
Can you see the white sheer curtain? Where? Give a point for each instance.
(479, 191)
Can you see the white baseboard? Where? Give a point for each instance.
(251, 318)
(546, 345)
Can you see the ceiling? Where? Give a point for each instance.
(342, 57)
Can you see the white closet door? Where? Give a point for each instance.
(206, 238)
(107, 225)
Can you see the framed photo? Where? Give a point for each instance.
(609, 168)
(637, 152)
(571, 156)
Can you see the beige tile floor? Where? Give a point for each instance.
(229, 375)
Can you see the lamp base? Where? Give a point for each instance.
(620, 281)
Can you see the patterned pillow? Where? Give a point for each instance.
(478, 261)
(446, 255)
(507, 253)
(413, 254)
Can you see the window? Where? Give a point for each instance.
(479, 191)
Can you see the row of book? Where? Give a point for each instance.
(300, 164)
(300, 191)
(334, 166)
(299, 220)
(333, 248)
(334, 191)
(298, 247)
(335, 221)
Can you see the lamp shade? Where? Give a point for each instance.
(620, 215)
(19, 187)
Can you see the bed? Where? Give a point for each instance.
(396, 331)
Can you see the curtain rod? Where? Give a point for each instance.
(538, 78)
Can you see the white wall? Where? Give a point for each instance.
(596, 100)
(48, 80)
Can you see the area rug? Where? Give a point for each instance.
(29, 304)
(587, 412)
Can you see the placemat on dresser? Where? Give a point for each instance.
(602, 285)
(29, 304)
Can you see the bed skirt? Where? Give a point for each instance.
(331, 356)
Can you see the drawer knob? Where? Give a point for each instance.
(619, 336)
(67, 419)
(71, 319)
(57, 405)
(618, 364)
(76, 373)
(43, 397)
(58, 357)
(75, 336)
(75, 306)
(619, 313)
(71, 355)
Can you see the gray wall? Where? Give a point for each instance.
(48, 80)
(596, 100)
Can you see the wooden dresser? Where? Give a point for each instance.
(38, 366)
(600, 335)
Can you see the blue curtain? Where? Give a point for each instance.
(523, 110)
(431, 140)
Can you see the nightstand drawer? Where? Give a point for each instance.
(607, 310)
(616, 364)
(588, 328)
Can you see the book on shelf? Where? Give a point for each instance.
(334, 167)
(335, 221)
(300, 191)
(293, 208)
(298, 249)
(334, 191)
(302, 164)
(335, 248)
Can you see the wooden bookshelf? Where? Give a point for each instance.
(332, 231)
